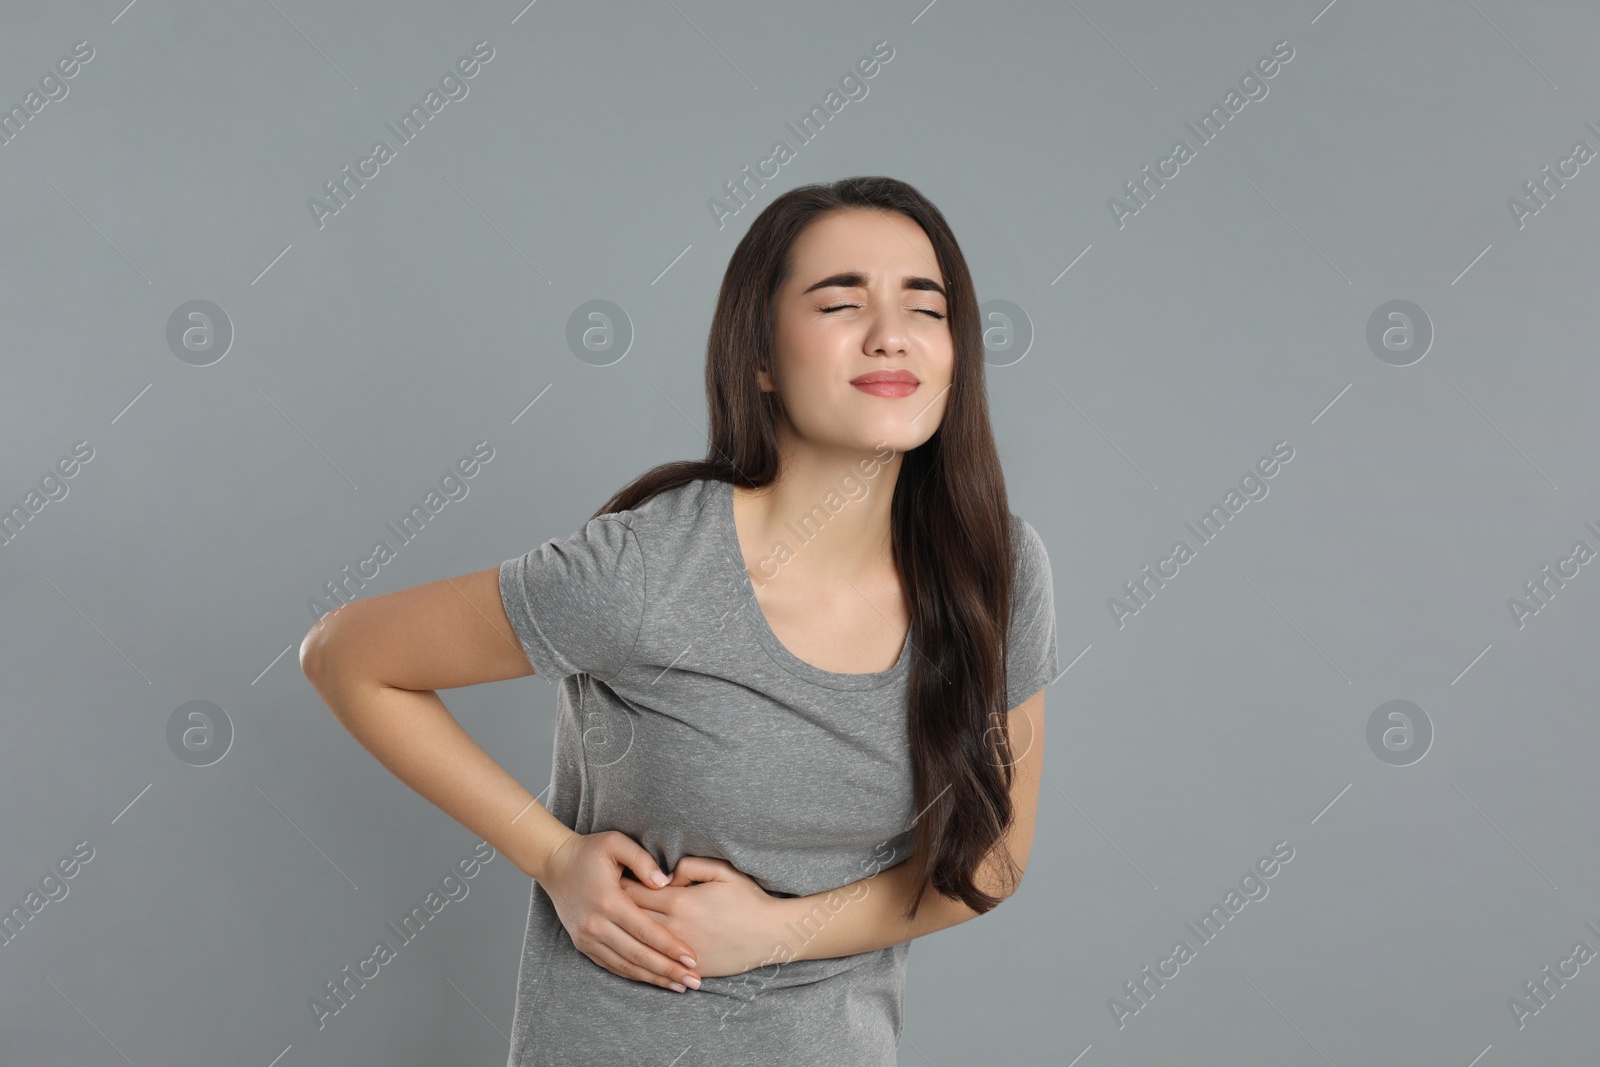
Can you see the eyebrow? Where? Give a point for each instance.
(853, 279)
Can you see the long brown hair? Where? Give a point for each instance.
(951, 529)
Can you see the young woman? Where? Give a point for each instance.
(803, 676)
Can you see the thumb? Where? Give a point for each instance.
(638, 860)
(697, 869)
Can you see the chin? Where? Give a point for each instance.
(872, 435)
(900, 440)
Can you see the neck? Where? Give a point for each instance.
(824, 519)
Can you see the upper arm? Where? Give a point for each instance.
(439, 635)
(1031, 660)
(570, 605)
(1025, 724)
(577, 603)
(1031, 664)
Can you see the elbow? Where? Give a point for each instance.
(1003, 879)
(319, 662)
(314, 649)
(1004, 891)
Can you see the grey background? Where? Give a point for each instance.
(1230, 313)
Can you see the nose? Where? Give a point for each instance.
(887, 336)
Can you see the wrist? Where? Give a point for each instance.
(542, 847)
(787, 927)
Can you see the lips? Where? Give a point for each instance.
(904, 377)
(888, 383)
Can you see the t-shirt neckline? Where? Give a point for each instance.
(729, 532)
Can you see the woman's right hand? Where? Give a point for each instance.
(583, 877)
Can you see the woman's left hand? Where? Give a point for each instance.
(727, 917)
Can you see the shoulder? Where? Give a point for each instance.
(1030, 558)
(1031, 661)
(672, 517)
(1032, 583)
(674, 530)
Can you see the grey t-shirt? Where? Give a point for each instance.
(686, 724)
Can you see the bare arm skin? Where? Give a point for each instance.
(377, 662)
(739, 926)
(869, 914)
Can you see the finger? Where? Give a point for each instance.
(647, 898)
(701, 868)
(652, 945)
(637, 859)
(629, 949)
(606, 957)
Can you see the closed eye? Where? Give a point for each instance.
(925, 311)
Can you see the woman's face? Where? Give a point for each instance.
(865, 296)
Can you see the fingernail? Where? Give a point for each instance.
(659, 879)
(688, 961)
(692, 980)
(676, 988)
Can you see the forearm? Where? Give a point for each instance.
(413, 734)
(865, 915)
(870, 914)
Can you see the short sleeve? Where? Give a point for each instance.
(577, 604)
(1031, 660)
